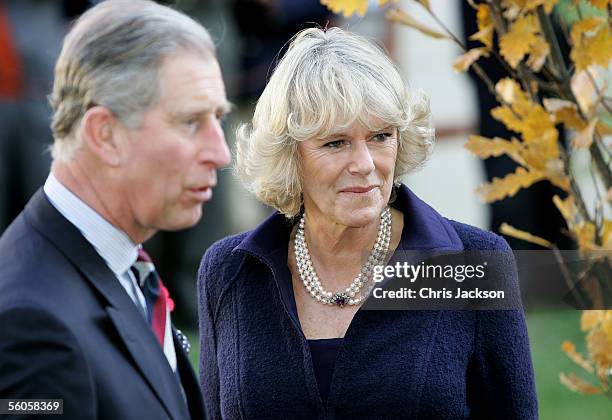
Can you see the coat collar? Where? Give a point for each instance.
(424, 229)
(130, 324)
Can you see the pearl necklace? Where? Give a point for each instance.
(349, 296)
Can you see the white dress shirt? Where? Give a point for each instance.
(113, 245)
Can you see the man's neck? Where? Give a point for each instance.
(97, 194)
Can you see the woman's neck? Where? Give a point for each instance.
(338, 251)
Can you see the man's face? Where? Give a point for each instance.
(168, 167)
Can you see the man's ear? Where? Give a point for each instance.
(101, 135)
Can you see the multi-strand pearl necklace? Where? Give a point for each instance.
(349, 296)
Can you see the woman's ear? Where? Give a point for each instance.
(100, 135)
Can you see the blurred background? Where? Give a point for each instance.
(250, 36)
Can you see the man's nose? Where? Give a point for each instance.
(361, 159)
(215, 149)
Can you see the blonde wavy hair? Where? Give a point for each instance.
(327, 80)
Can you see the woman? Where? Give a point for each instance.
(282, 330)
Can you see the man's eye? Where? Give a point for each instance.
(334, 144)
(220, 115)
(192, 124)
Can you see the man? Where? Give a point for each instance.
(137, 100)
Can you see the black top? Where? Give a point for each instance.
(323, 353)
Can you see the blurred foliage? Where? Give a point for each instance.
(544, 93)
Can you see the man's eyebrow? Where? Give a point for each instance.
(225, 107)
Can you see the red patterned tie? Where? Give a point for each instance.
(159, 303)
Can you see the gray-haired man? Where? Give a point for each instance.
(137, 101)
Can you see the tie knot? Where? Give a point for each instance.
(143, 267)
(143, 256)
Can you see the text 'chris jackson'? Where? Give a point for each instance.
(413, 272)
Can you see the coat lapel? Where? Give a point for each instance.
(132, 327)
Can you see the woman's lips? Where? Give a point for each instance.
(358, 190)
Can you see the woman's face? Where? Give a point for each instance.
(347, 177)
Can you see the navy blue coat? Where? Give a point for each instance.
(69, 330)
(256, 362)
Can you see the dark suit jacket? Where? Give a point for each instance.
(69, 330)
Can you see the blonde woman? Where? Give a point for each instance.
(283, 332)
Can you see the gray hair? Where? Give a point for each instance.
(111, 58)
(327, 80)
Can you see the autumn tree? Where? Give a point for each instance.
(545, 93)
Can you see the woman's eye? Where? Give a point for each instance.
(382, 136)
(334, 144)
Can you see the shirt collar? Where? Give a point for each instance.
(113, 245)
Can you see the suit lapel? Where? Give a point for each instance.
(152, 364)
(132, 327)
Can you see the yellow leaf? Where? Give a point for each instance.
(528, 118)
(570, 350)
(585, 236)
(566, 208)
(484, 147)
(549, 5)
(485, 26)
(570, 118)
(519, 39)
(604, 129)
(591, 319)
(555, 173)
(606, 325)
(485, 36)
(599, 345)
(381, 3)
(424, 3)
(347, 7)
(600, 4)
(538, 126)
(576, 384)
(513, 8)
(606, 233)
(584, 91)
(509, 118)
(565, 112)
(466, 60)
(508, 230)
(510, 91)
(585, 27)
(592, 43)
(553, 105)
(584, 138)
(399, 16)
(509, 185)
(538, 53)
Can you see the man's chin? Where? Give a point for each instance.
(190, 218)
